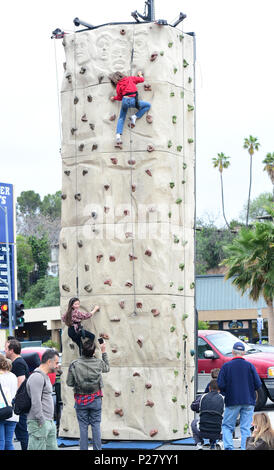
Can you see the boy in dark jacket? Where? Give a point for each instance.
(210, 407)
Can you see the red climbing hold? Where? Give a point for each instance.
(108, 282)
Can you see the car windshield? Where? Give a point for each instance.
(224, 343)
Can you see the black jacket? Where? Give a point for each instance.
(210, 407)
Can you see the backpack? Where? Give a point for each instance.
(21, 403)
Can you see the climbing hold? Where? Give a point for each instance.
(175, 430)
(94, 147)
(176, 373)
(148, 172)
(114, 160)
(122, 32)
(190, 141)
(131, 257)
(104, 335)
(76, 99)
(139, 305)
(140, 342)
(174, 118)
(86, 267)
(115, 319)
(64, 245)
(149, 118)
(77, 196)
(171, 184)
(128, 284)
(81, 147)
(126, 212)
(175, 70)
(131, 162)
(182, 94)
(150, 148)
(94, 215)
(117, 394)
(67, 172)
(112, 258)
(136, 374)
(183, 407)
(172, 94)
(172, 329)
(192, 285)
(173, 305)
(84, 118)
(184, 337)
(149, 286)
(169, 144)
(184, 166)
(178, 355)
(153, 56)
(185, 316)
(99, 257)
(190, 107)
(119, 412)
(106, 209)
(181, 266)
(189, 79)
(92, 126)
(162, 53)
(84, 172)
(133, 188)
(153, 432)
(73, 130)
(179, 148)
(80, 243)
(180, 288)
(170, 44)
(106, 186)
(63, 196)
(183, 181)
(89, 98)
(148, 252)
(122, 304)
(147, 87)
(149, 403)
(69, 78)
(185, 428)
(66, 288)
(88, 288)
(108, 282)
(185, 63)
(128, 234)
(179, 200)
(115, 432)
(175, 239)
(174, 399)
(118, 145)
(112, 117)
(148, 386)
(155, 312)
(83, 70)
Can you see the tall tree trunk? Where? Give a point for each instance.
(223, 206)
(250, 183)
(270, 317)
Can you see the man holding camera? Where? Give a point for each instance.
(85, 376)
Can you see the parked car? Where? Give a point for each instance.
(215, 348)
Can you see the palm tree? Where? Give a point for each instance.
(269, 167)
(251, 144)
(222, 162)
(250, 263)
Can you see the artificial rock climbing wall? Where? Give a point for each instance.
(127, 237)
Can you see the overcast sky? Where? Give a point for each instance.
(234, 89)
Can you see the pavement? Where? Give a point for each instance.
(269, 409)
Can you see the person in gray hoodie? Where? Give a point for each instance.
(85, 376)
(41, 427)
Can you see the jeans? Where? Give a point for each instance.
(229, 421)
(90, 414)
(6, 434)
(21, 431)
(128, 102)
(42, 437)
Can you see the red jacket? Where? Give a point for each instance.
(126, 85)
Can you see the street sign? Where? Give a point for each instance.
(6, 200)
(4, 273)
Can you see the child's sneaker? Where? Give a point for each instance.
(132, 121)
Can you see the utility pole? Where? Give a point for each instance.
(8, 282)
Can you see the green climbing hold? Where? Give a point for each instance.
(180, 288)
(182, 266)
(179, 200)
(172, 329)
(183, 181)
(190, 107)
(176, 373)
(172, 94)
(185, 428)
(190, 141)
(179, 148)
(175, 430)
(175, 70)
(170, 44)
(192, 285)
(176, 239)
(174, 399)
(173, 305)
(184, 337)
(184, 166)
(171, 184)
(174, 118)
(169, 144)
(185, 63)
(162, 53)
(178, 355)
(169, 215)
(183, 407)
(182, 94)
(185, 316)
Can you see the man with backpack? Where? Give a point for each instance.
(21, 370)
(41, 427)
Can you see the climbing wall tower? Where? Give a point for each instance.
(127, 237)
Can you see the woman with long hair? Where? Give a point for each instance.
(126, 91)
(263, 435)
(8, 382)
(73, 318)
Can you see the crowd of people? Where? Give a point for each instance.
(229, 398)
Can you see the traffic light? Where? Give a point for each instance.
(19, 313)
(4, 309)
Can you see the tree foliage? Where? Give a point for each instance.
(45, 293)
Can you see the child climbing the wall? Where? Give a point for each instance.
(73, 318)
(126, 91)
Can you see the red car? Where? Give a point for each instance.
(33, 356)
(215, 348)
